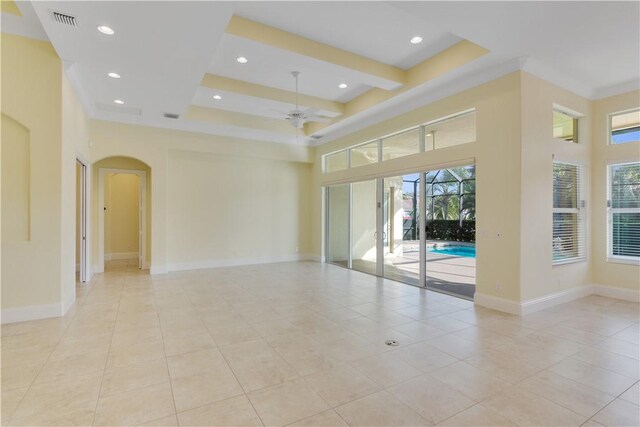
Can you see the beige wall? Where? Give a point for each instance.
(539, 148)
(122, 215)
(78, 215)
(125, 163)
(31, 96)
(229, 207)
(249, 199)
(497, 105)
(604, 272)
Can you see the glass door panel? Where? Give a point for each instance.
(337, 223)
(363, 226)
(450, 212)
(401, 234)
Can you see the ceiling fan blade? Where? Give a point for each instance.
(311, 111)
(319, 119)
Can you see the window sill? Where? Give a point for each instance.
(569, 261)
(616, 260)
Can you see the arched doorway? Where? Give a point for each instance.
(122, 203)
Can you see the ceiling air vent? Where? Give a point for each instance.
(63, 18)
(171, 115)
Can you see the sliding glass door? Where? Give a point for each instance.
(337, 224)
(416, 228)
(364, 249)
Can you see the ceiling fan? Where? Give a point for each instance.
(297, 117)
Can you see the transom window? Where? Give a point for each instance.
(624, 127)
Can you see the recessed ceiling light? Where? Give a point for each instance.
(113, 75)
(343, 85)
(106, 30)
(217, 97)
(416, 40)
(242, 59)
(118, 101)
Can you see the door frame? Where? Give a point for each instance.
(142, 209)
(85, 271)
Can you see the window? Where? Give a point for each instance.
(336, 161)
(569, 222)
(444, 132)
(364, 154)
(565, 126)
(625, 127)
(624, 211)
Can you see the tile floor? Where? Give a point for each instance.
(303, 344)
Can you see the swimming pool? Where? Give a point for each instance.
(465, 251)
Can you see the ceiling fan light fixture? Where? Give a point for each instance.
(106, 30)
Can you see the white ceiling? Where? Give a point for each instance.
(369, 28)
(163, 49)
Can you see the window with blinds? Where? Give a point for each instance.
(624, 211)
(569, 213)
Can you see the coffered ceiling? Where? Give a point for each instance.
(175, 57)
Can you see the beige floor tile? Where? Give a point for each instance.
(137, 375)
(379, 409)
(386, 369)
(234, 335)
(135, 354)
(209, 360)
(503, 365)
(55, 396)
(470, 381)
(454, 346)
(259, 370)
(135, 336)
(18, 376)
(170, 421)
(135, 406)
(623, 348)
(341, 384)
(10, 400)
(632, 395)
(324, 419)
(529, 409)
(236, 411)
(431, 398)
(179, 344)
(287, 402)
(75, 413)
(424, 357)
(477, 416)
(81, 364)
(203, 388)
(592, 376)
(619, 413)
(610, 361)
(73, 347)
(572, 395)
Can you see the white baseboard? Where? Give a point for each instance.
(120, 255)
(496, 303)
(536, 304)
(232, 262)
(32, 312)
(158, 269)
